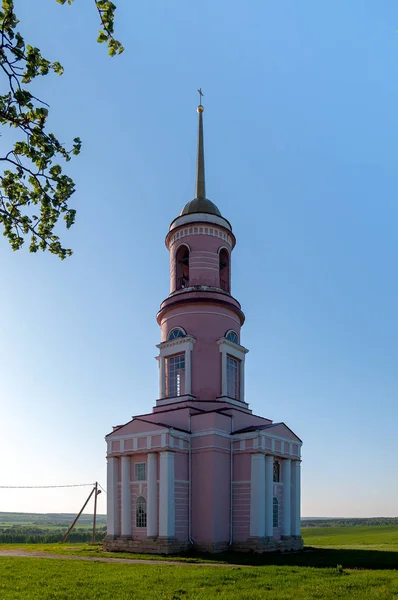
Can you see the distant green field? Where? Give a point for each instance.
(383, 536)
(35, 527)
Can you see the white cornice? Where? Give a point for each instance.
(200, 218)
(222, 342)
(175, 400)
(183, 342)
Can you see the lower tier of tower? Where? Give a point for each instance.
(204, 476)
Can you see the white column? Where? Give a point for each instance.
(269, 495)
(188, 380)
(162, 379)
(112, 497)
(286, 478)
(295, 498)
(126, 497)
(242, 381)
(257, 496)
(152, 496)
(166, 495)
(224, 383)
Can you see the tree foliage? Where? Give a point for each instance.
(34, 189)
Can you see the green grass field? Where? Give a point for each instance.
(382, 536)
(368, 557)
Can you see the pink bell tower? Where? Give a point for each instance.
(200, 355)
(201, 471)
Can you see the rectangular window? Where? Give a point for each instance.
(140, 472)
(175, 375)
(233, 377)
(277, 472)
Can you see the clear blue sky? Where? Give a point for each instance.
(301, 136)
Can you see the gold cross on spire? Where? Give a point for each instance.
(201, 94)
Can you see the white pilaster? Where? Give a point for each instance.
(162, 378)
(295, 498)
(188, 382)
(257, 496)
(166, 495)
(286, 478)
(224, 381)
(112, 497)
(126, 497)
(269, 495)
(242, 380)
(152, 496)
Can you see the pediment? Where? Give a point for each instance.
(281, 430)
(136, 426)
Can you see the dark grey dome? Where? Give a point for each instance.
(200, 205)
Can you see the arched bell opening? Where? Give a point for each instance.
(182, 267)
(224, 270)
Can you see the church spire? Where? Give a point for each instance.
(200, 204)
(200, 165)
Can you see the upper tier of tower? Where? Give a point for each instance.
(200, 351)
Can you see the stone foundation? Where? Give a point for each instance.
(157, 545)
(267, 544)
(213, 548)
(162, 545)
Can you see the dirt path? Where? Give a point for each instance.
(140, 561)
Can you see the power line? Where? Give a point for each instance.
(41, 487)
(102, 488)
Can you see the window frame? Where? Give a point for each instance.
(276, 475)
(176, 337)
(138, 472)
(141, 513)
(275, 512)
(179, 367)
(236, 351)
(233, 387)
(167, 349)
(231, 332)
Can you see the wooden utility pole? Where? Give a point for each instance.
(97, 492)
(82, 509)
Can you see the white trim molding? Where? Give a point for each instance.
(199, 218)
(126, 497)
(269, 495)
(257, 496)
(169, 348)
(287, 492)
(236, 351)
(112, 497)
(166, 495)
(295, 497)
(174, 400)
(152, 496)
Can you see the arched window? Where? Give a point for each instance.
(275, 512)
(175, 333)
(232, 336)
(182, 267)
(224, 270)
(140, 512)
(277, 472)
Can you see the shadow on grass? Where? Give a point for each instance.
(313, 557)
